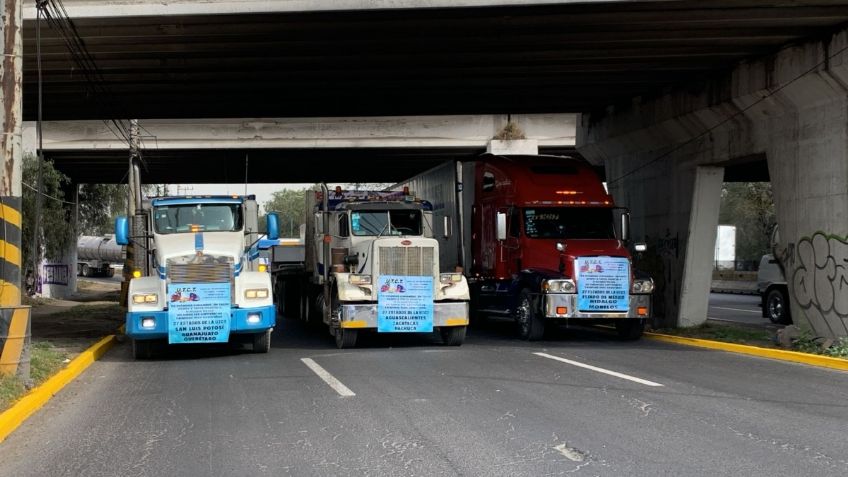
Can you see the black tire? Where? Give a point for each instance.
(262, 342)
(110, 272)
(86, 271)
(777, 307)
(531, 326)
(629, 329)
(142, 349)
(453, 335)
(345, 338)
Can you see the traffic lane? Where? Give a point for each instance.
(736, 308)
(490, 407)
(617, 427)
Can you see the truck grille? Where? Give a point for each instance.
(406, 261)
(200, 273)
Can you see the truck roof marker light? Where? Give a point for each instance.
(136, 273)
(262, 267)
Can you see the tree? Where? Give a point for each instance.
(289, 205)
(55, 225)
(99, 204)
(750, 207)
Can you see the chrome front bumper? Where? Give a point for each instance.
(364, 315)
(569, 302)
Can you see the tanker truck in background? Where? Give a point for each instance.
(203, 280)
(539, 242)
(96, 255)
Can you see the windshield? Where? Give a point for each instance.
(376, 222)
(569, 223)
(171, 219)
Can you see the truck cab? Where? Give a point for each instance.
(545, 247)
(202, 280)
(382, 243)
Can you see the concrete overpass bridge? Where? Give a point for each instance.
(670, 95)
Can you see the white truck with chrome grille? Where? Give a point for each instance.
(375, 267)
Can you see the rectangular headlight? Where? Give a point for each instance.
(356, 279)
(256, 293)
(450, 277)
(141, 298)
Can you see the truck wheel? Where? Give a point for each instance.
(777, 307)
(142, 349)
(531, 326)
(110, 272)
(262, 342)
(629, 330)
(453, 335)
(86, 271)
(345, 338)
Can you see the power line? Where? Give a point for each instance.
(740, 112)
(46, 194)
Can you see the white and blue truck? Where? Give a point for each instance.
(198, 277)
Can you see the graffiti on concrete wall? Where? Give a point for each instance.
(820, 282)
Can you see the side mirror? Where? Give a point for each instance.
(501, 225)
(122, 231)
(446, 230)
(625, 227)
(272, 222)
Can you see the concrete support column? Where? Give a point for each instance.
(698, 265)
(674, 209)
(806, 142)
(14, 318)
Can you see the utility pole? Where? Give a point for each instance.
(14, 355)
(136, 258)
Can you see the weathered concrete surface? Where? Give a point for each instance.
(119, 8)
(792, 107)
(273, 133)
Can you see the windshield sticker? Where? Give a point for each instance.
(354, 221)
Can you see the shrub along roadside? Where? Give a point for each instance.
(45, 361)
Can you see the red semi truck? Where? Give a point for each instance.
(540, 240)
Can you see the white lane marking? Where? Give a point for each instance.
(328, 378)
(600, 370)
(736, 309)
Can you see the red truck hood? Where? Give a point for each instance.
(541, 254)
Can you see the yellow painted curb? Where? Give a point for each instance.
(37, 397)
(793, 356)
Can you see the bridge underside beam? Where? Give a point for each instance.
(288, 150)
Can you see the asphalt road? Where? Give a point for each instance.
(491, 407)
(736, 308)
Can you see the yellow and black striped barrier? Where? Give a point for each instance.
(14, 318)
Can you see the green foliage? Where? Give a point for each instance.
(99, 204)
(807, 343)
(750, 207)
(55, 224)
(45, 361)
(289, 205)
